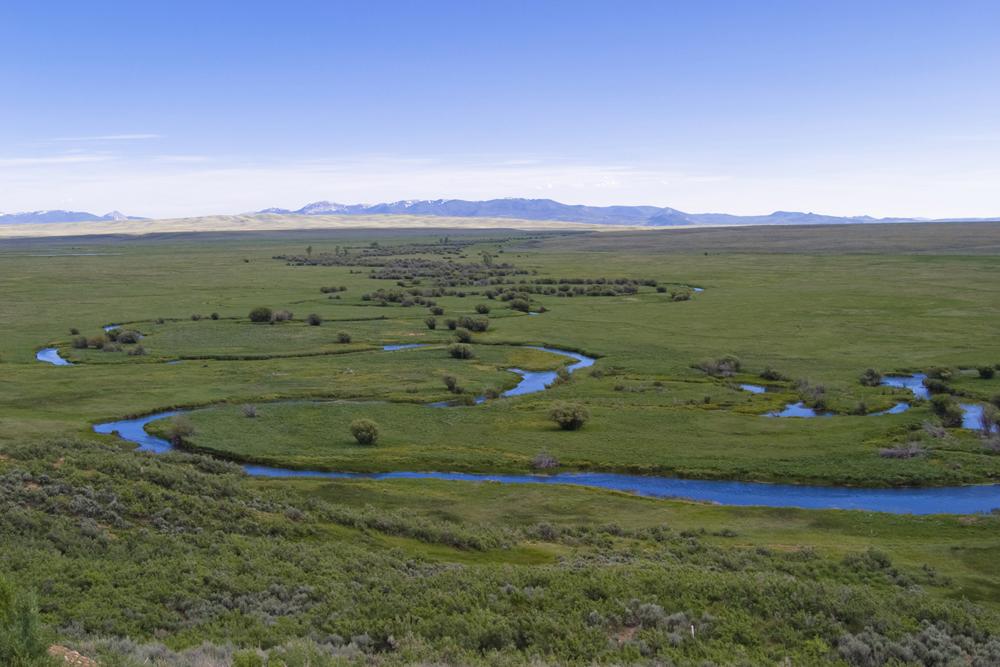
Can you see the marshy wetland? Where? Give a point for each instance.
(671, 387)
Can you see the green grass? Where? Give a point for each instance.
(184, 549)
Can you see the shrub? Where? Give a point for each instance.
(111, 347)
(870, 378)
(908, 451)
(935, 386)
(451, 382)
(365, 431)
(250, 411)
(945, 407)
(137, 351)
(482, 309)
(986, 372)
(543, 461)
(995, 400)
(463, 335)
(989, 419)
(477, 324)
(179, 429)
(726, 366)
(74, 332)
(314, 320)
(770, 374)
(519, 304)
(941, 373)
(343, 337)
(451, 324)
(195, 317)
(569, 416)
(214, 316)
(97, 342)
(261, 314)
(437, 310)
(933, 430)
(129, 337)
(460, 351)
(22, 640)
(80, 343)
(282, 315)
(431, 323)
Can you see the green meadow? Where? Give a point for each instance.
(129, 553)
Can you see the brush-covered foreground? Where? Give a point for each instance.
(141, 559)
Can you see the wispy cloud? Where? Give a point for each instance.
(74, 158)
(112, 137)
(182, 158)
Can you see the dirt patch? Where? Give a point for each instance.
(71, 657)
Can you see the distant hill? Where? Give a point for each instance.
(547, 209)
(61, 216)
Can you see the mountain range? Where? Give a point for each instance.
(547, 209)
(515, 208)
(61, 216)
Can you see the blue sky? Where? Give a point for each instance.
(185, 108)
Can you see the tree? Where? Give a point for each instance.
(261, 314)
(569, 416)
(365, 431)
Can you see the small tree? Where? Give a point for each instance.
(451, 382)
(989, 419)
(343, 337)
(314, 320)
(871, 378)
(945, 407)
(569, 416)
(544, 461)
(460, 351)
(180, 428)
(129, 337)
(365, 431)
(22, 639)
(261, 314)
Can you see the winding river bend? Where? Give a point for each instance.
(935, 500)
